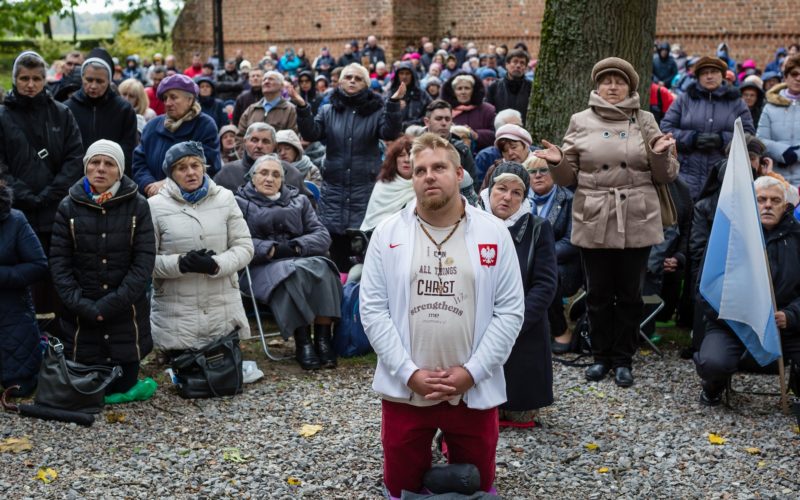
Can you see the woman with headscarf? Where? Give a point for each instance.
(290, 272)
(202, 241)
(102, 257)
(183, 121)
(352, 125)
(529, 369)
(465, 93)
(613, 152)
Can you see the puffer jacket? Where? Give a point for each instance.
(22, 263)
(353, 155)
(700, 111)
(28, 125)
(615, 203)
(108, 117)
(290, 219)
(101, 260)
(148, 157)
(416, 99)
(779, 129)
(191, 310)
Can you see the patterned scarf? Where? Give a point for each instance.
(463, 108)
(198, 194)
(103, 197)
(173, 125)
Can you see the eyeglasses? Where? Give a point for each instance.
(795, 74)
(539, 171)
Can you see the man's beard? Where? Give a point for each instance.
(434, 204)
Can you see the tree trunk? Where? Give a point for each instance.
(74, 25)
(160, 15)
(48, 28)
(575, 35)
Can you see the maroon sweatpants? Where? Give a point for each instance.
(407, 432)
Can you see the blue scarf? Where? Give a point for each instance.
(543, 199)
(198, 194)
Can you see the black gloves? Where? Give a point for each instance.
(283, 251)
(708, 142)
(790, 155)
(198, 261)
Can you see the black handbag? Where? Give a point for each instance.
(69, 385)
(213, 371)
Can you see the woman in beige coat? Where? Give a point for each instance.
(614, 152)
(202, 240)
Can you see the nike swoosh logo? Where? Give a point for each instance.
(394, 245)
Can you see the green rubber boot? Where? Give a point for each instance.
(142, 391)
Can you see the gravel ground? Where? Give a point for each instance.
(651, 441)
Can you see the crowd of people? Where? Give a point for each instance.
(146, 190)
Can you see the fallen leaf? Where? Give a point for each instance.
(309, 430)
(715, 439)
(618, 415)
(645, 352)
(753, 451)
(46, 475)
(183, 453)
(114, 417)
(293, 481)
(275, 343)
(797, 429)
(762, 464)
(234, 455)
(517, 449)
(15, 445)
(602, 470)
(592, 446)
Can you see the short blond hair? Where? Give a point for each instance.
(534, 162)
(433, 141)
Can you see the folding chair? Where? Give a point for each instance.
(657, 304)
(748, 366)
(257, 313)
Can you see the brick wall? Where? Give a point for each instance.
(752, 29)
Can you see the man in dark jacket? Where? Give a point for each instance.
(259, 140)
(416, 100)
(229, 81)
(514, 90)
(722, 353)
(350, 56)
(438, 119)
(664, 66)
(209, 103)
(255, 79)
(371, 50)
(99, 111)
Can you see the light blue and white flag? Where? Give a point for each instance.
(735, 280)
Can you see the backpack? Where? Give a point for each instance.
(350, 339)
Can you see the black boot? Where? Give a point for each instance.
(323, 345)
(303, 350)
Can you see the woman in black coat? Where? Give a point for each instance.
(22, 262)
(529, 369)
(351, 126)
(289, 269)
(102, 257)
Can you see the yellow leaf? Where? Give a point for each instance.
(762, 464)
(753, 451)
(309, 430)
(592, 446)
(114, 417)
(46, 475)
(15, 445)
(234, 455)
(645, 352)
(602, 470)
(293, 481)
(797, 429)
(715, 439)
(618, 415)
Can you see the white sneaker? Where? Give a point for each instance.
(250, 372)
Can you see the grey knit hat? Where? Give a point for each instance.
(514, 168)
(106, 148)
(182, 150)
